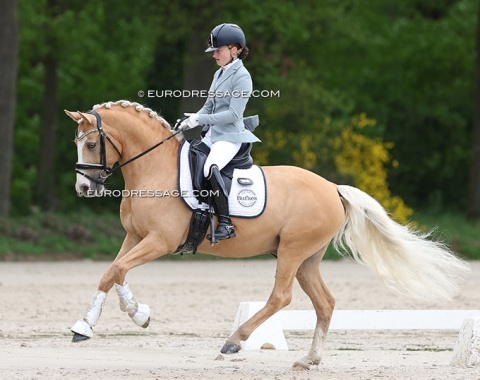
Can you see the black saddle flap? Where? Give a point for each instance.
(197, 156)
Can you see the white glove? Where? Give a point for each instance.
(189, 123)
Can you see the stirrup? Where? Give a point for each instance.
(222, 232)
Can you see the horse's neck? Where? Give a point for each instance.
(156, 170)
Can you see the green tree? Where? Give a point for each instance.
(410, 67)
(8, 79)
(473, 210)
(84, 53)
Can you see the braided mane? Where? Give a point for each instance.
(138, 107)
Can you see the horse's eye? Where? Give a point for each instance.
(91, 145)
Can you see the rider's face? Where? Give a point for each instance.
(223, 55)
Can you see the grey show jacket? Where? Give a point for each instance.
(226, 102)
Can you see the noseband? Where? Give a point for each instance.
(107, 171)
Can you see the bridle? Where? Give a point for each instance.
(107, 171)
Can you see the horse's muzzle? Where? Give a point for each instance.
(88, 189)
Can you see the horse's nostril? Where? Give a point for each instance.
(84, 187)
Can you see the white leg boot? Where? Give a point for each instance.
(83, 327)
(140, 313)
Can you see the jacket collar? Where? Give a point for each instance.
(227, 74)
(230, 65)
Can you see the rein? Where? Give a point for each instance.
(103, 154)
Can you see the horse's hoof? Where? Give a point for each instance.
(79, 338)
(306, 364)
(300, 366)
(145, 325)
(230, 348)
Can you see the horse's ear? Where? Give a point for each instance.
(74, 115)
(89, 118)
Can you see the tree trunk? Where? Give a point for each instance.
(473, 210)
(46, 173)
(8, 81)
(46, 181)
(199, 66)
(198, 69)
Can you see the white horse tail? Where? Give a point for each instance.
(405, 259)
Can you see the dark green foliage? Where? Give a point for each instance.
(409, 65)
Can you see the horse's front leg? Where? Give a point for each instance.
(139, 312)
(83, 328)
(150, 248)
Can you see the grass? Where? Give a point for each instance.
(49, 236)
(453, 228)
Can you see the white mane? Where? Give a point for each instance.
(138, 107)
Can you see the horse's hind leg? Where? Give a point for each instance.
(281, 296)
(310, 280)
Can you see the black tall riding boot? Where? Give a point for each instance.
(225, 229)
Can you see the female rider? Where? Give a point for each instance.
(222, 115)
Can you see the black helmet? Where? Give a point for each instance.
(225, 34)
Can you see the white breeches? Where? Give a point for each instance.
(221, 153)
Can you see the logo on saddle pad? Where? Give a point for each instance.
(246, 198)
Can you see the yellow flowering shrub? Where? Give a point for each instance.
(299, 149)
(340, 153)
(305, 157)
(364, 160)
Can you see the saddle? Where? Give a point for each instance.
(201, 218)
(198, 155)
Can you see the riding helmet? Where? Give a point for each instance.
(225, 34)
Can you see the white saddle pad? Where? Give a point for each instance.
(245, 200)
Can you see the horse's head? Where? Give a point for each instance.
(95, 157)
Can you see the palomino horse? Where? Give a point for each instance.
(304, 214)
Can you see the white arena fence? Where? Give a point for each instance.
(271, 332)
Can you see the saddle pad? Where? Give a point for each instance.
(245, 201)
